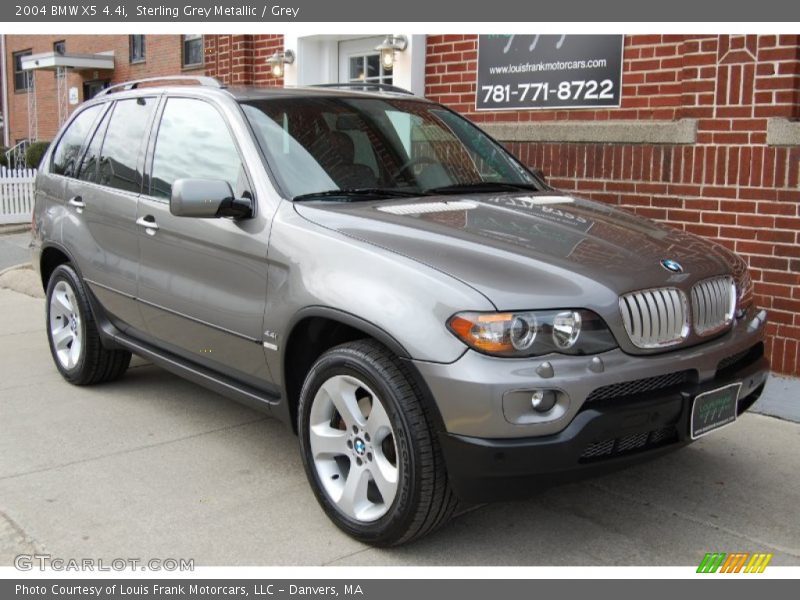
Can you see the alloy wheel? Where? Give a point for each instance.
(353, 448)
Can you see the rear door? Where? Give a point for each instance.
(202, 282)
(103, 196)
(63, 165)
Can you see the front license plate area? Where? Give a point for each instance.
(714, 409)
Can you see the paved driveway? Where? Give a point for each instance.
(153, 467)
(14, 249)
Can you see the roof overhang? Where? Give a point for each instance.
(51, 61)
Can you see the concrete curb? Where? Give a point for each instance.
(24, 265)
(21, 279)
(11, 229)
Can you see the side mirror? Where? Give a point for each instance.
(207, 199)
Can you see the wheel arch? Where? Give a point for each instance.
(52, 256)
(315, 330)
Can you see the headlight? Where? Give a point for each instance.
(533, 333)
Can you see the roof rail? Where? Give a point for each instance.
(366, 85)
(132, 85)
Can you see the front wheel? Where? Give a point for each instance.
(369, 451)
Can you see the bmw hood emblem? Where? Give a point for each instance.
(672, 266)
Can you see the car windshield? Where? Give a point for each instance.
(351, 148)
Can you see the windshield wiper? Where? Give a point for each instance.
(370, 192)
(482, 186)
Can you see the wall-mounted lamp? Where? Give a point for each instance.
(277, 60)
(388, 47)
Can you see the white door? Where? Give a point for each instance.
(360, 62)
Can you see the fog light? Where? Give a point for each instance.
(543, 400)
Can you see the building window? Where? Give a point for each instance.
(368, 68)
(192, 53)
(60, 48)
(136, 48)
(21, 79)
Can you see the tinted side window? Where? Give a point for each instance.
(68, 151)
(123, 141)
(91, 158)
(194, 142)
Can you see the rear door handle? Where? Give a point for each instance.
(77, 203)
(149, 223)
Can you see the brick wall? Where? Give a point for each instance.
(163, 57)
(241, 59)
(730, 186)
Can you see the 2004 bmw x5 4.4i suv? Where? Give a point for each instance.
(437, 323)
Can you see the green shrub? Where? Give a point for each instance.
(34, 153)
(3, 160)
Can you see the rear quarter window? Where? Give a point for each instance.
(68, 151)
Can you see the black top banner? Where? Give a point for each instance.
(260, 11)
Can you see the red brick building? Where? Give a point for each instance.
(707, 136)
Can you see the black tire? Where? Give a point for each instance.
(424, 500)
(94, 363)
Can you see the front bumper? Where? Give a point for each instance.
(612, 410)
(599, 439)
(479, 396)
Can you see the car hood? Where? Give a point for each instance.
(529, 250)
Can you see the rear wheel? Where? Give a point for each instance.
(72, 332)
(368, 448)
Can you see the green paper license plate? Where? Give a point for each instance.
(714, 409)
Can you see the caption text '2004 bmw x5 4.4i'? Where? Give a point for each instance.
(436, 322)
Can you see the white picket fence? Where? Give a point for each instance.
(16, 195)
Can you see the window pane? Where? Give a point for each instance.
(21, 77)
(120, 153)
(192, 49)
(194, 142)
(137, 48)
(373, 65)
(356, 68)
(69, 147)
(91, 158)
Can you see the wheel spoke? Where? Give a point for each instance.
(342, 393)
(74, 354)
(62, 337)
(354, 495)
(378, 424)
(327, 441)
(385, 477)
(63, 300)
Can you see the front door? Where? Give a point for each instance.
(94, 87)
(202, 282)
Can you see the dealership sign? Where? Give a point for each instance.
(548, 71)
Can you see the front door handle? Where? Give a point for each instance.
(77, 203)
(149, 223)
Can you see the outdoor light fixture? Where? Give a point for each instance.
(277, 60)
(388, 47)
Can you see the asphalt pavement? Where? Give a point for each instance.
(153, 466)
(14, 249)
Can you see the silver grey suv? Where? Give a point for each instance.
(437, 324)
